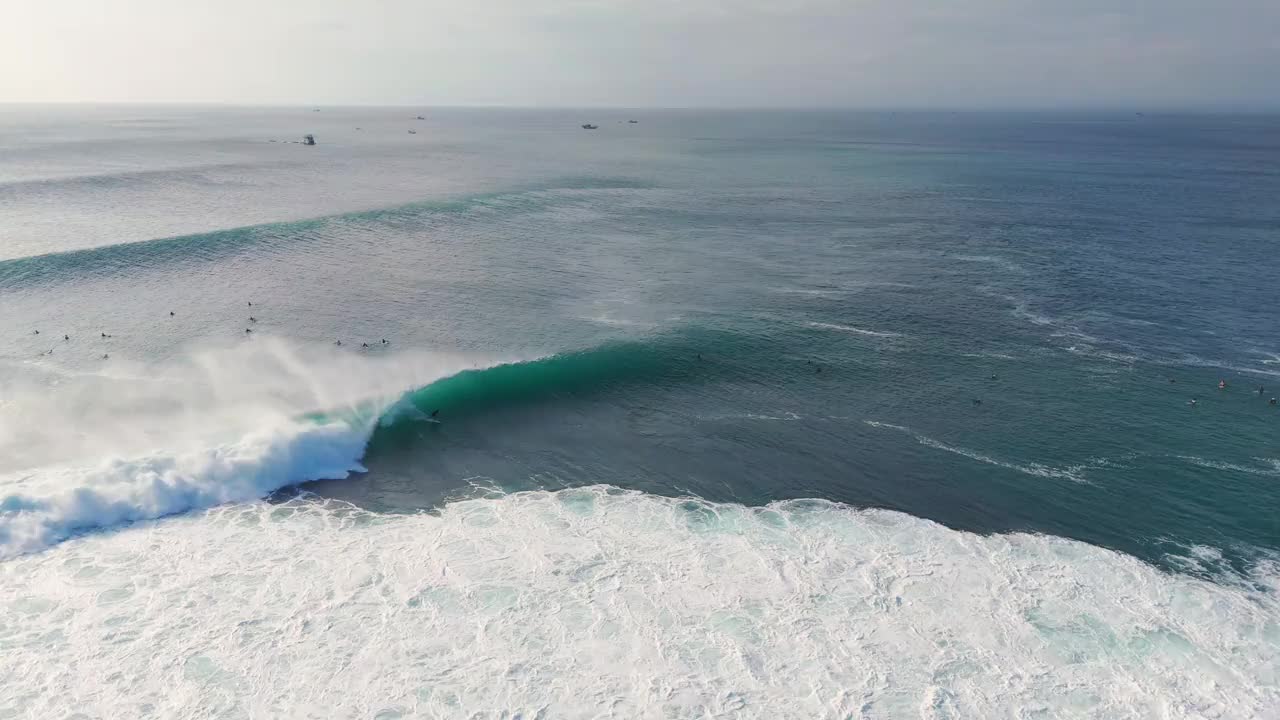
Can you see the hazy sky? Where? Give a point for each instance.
(867, 53)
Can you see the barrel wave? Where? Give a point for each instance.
(323, 413)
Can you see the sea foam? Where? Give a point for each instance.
(597, 602)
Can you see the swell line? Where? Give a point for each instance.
(127, 257)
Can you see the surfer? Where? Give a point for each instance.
(248, 330)
(1222, 384)
(170, 313)
(37, 332)
(105, 356)
(995, 377)
(976, 401)
(66, 338)
(253, 319)
(1261, 389)
(384, 341)
(434, 413)
(1273, 401)
(364, 345)
(250, 303)
(1192, 403)
(339, 343)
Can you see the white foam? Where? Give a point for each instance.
(853, 330)
(1272, 466)
(1073, 473)
(1070, 473)
(1197, 361)
(786, 416)
(1002, 262)
(84, 454)
(891, 426)
(815, 292)
(1092, 352)
(1021, 310)
(601, 603)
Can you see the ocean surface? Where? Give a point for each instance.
(711, 414)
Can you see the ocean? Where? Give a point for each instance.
(734, 414)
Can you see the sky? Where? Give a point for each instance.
(956, 54)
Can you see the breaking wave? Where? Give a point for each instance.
(235, 425)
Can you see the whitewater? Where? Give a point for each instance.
(599, 602)
(90, 450)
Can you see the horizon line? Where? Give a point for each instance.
(1030, 108)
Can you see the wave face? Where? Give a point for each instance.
(602, 602)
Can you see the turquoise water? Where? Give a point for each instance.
(993, 322)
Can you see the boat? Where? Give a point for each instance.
(308, 139)
(413, 132)
(633, 122)
(589, 126)
(421, 118)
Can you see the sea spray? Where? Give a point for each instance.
(222, 425)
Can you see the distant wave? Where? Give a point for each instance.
(99, 181)
(129, 257)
